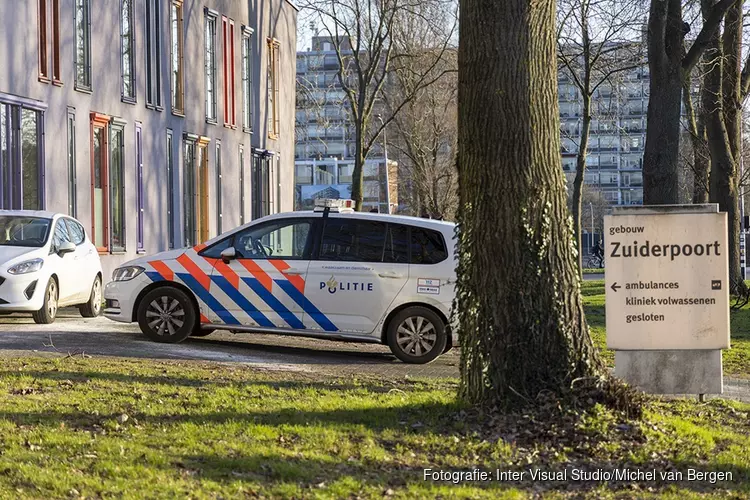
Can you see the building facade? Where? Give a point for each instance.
(157, 123)
(618, 134)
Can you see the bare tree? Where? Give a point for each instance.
(669, 65)
(597, 40)
(372, 38)
(426, 139)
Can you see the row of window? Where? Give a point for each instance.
(108, 193)
(341, 239)
(49, 67)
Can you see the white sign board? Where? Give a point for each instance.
(666, 279)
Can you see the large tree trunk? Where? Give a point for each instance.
(723, 185)
(697, 128)
(519, 308)
(726, 190)
(660, 158)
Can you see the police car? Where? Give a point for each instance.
(331, 273)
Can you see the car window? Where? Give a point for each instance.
(60, 235)
(397, 244)
(21, 231)
(76, 231)
(427, 246)
(284, 239)
(214, 251)
(354, 240)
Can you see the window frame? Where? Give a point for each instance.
(85, 85)
(177, 73)
(198, 184)
(56, 69)
(228, 54)
(171, 236)
(42, 40)
(247, 80)
(139, 204)
(211, 18)
(261, 174)
(272, 83)
(153, 54)
(131, 78)
(16, 108)
(242, 183)
(117, 125)
(72, 163)
(219, 201)
(101, 121)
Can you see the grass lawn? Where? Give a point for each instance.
(736, 359)
(102, 428)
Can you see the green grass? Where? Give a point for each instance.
(736, 359)
(200, 430)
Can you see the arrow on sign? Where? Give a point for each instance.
(615, 286)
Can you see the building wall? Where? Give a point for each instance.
(19, 59)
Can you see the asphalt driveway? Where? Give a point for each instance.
(71, 334)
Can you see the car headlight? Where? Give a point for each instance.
(27, 266)
(126, 273)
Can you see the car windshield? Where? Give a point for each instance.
(21, 231)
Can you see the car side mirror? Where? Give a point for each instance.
(66, 247)
(228, 254)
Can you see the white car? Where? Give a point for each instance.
(330, 273)
(47, 262)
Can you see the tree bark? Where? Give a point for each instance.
(697, 129)
(724, 132)
(668, 68)
(519, 308)
(358, 171)
(660, 157)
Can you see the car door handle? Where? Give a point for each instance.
(293, 271)
(390, 274)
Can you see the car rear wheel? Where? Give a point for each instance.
(48, 312)
(166, 314)
(93, 307)
(416, 335)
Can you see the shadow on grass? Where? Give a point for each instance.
(334, 384)
(315, 473)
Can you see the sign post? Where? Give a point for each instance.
(667, 296)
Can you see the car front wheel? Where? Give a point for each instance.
(166, 314)
(48, 312)
(416, 335)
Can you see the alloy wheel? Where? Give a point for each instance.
(165, 315)
(416, 335)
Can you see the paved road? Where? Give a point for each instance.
(70, 334)
(102, 337)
